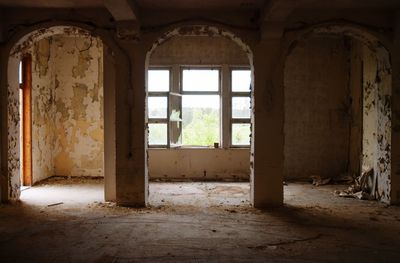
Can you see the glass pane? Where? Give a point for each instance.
(158, 134)
(200, 80)
(175, 120)
(241, 134)
(201, 120)
(157, 107)
(241, 80)
(20, 72)
(158, 80)
(241, 107)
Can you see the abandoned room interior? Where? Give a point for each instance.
(200, 131)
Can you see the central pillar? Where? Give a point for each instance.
(131, 177)
(268, 114)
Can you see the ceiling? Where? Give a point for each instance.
(147, 4)
(52, 3)
(206, 4)
(200, 4)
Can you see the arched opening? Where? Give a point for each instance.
(199, 118)
(58, 119)
(338, 112)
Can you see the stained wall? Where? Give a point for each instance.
(43, 111)
(317, 119)
(78, 84)
(67, 108)
(377, 115)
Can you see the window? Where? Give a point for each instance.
(157, 105)
(192, 107)
(200, 107)
(240, 107)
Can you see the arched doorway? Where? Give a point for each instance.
(338, 108)
(69, 117)
(214, 146)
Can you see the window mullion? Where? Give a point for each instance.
(225, 107)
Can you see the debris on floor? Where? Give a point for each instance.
(59, 203)
(344, 178)
(318, 180)
(361, 189)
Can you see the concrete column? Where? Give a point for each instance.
(395, 162)
(109, 124)
(131, 177)
(3, 126)
(267, 134)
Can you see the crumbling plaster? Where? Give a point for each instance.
(18, 44)
(78, 77)
(67, 106)
(380, 79)
(269, 55)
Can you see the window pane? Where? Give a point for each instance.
(241, 107)
(158, 80)
(200, 80)
(157, 107)
(158, 134)
(20, 72)
(201, 120)
(241, 134)
(241, 80)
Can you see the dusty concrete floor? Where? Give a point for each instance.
(196, 222)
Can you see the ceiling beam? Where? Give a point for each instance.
(274, 15)
(279, 10)
(122, 10)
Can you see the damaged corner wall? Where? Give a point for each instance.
(316, 124)
(338, 111)
(376, 139)
(199, 163)
(67, 108)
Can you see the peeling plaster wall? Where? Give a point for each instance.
(191, 50)
(67, 109)
(13, 116)
(199, 164)
(43, 111)
(376, 142)
(78, 83)
(316, 117)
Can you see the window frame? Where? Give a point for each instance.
(224, 92)
(218, 92)
(245, 94)
(159, 94)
